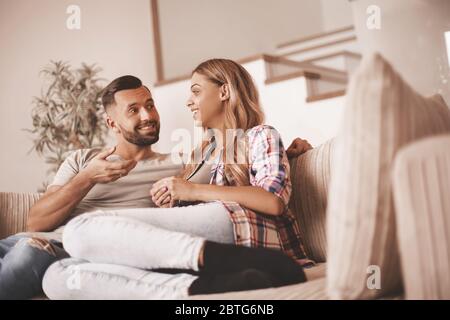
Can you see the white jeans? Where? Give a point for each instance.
(113, 251)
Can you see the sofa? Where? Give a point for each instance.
(310, 174)
(379, 190)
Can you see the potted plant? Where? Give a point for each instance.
(68, 114)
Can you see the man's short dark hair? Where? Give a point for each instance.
(119, 84)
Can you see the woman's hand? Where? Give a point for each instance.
(167, 190)
(161, 198)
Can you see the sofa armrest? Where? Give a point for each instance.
(421, 188)
(310, 176)
(14, 209)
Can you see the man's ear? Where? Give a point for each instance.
(224, 92)
(112, 124)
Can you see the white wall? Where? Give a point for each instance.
(411, 38)
(283, 103)
(200, 29)
(336, 14)
(285, 107)
(170, 102)
(114, 34)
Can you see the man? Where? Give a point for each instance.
(93, 179)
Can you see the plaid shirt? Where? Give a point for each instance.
(268, 169)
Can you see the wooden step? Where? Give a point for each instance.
(327, 95)
(321, 82)
(309, 45)
(280, 66)
(343, 60)
(349, 44)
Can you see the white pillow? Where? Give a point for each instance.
(382, 114)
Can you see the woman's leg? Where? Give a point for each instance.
(126, 237)
(141, 237)
(208, 220)
(79, 279)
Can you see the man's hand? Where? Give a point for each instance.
(298, 146)
(100, 170)
(51, 210)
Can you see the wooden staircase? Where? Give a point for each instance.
(301, 86)
(326, 60)
(321, 81)
(320, 44)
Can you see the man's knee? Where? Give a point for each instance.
(24, 266)
(35, 251)
(43, 245)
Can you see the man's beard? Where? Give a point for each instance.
(139, 139)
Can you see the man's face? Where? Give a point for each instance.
(135, 116)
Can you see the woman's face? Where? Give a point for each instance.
(206, 102)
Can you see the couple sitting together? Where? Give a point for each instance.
(129, 222)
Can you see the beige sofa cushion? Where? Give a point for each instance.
(310, 290)
(313, 289)
(421, 183)
(310, 175)
(14, 209)
(382, 114)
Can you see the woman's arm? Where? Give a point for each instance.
(269, 193)
(251, 197)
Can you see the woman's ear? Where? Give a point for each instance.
(224, 92)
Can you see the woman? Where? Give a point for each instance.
(243, 182)
(223, 98)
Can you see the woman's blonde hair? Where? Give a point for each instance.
(242, 111)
